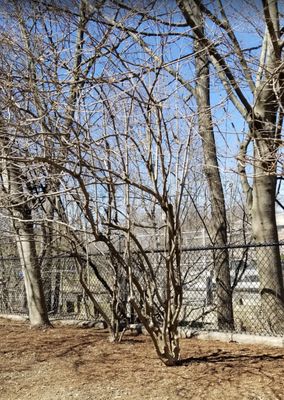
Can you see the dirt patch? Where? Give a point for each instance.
(71, 363)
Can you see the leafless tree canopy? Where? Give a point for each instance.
(126, 120)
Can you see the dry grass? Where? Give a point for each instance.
(72, 363)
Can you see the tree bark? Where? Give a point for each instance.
(218, 228)
(16, 203)
(265, 119)
(268, 259)
(33, 284)
(265, 129)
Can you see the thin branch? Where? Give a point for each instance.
(241, 159)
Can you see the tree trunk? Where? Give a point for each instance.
(268, 259)
(265, 129)
(34, 290)
(15, 201)
(46, 253)
(56, 293)
(218, 228)
(165, 337)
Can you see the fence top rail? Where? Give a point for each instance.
(233, 246)
(160, 251)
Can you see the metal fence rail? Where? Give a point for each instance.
(250, 266)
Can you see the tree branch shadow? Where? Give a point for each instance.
(219, 357)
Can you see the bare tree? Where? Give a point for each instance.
(198, 87)
(264, 118)
(218, 231)
(107, 117)
(13, 196)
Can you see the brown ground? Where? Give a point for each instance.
(73, 363)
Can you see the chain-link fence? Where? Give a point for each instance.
(64, 294)
(256, 286)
